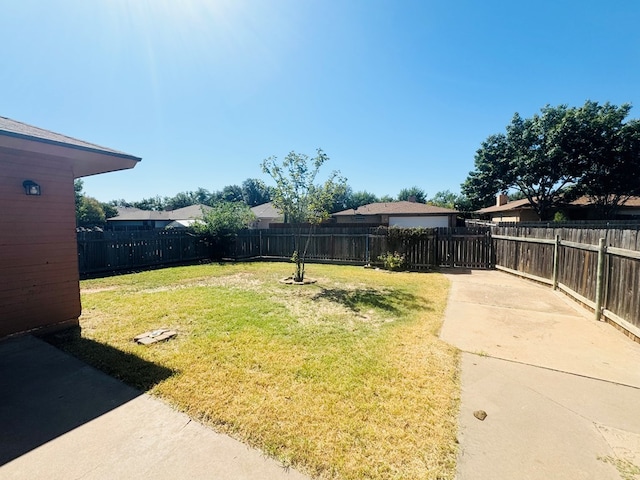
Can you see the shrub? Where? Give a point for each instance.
(560, 217)
(393, 261)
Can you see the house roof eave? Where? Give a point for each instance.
(86, 158)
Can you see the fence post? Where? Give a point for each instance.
(599, 278)
(556, 259)
(367, 258)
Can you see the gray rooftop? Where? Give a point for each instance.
(14, 128)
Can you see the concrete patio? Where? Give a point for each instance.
(561, 391)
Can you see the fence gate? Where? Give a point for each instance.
(465, 247)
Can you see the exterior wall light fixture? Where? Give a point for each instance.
(31, 187)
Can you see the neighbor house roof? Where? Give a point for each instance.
(187, 213)
(266, 210)
(525, 204)
(397, 208)
(514, 205)
(88, 158)
(139, 214)
(585, 201)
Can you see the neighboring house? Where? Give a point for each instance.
(136, 219)
(506, 211)
(580, 209)
(398, 214)
(266, 214)
(39, 280)
(583, 209)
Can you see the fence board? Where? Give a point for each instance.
(523, 249)
(115, 251)
(423, 250)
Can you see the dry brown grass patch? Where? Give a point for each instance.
(343, 379)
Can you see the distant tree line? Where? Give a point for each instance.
(91, 212)
(254, 192)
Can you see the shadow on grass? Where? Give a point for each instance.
(45, 394)
(393, 302)
(124, 366)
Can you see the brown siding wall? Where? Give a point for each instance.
(362, 219)
(38, 254)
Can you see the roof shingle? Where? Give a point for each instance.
(397, 208)
(18, 129)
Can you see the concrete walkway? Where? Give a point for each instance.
(561, 391)
(61, 419)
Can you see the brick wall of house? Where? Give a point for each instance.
(38, 252)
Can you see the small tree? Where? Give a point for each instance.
(300, 199)
(222, 222)
(90, 213)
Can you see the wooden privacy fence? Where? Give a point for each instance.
(424, 249)
(598, 267)
(100, 252)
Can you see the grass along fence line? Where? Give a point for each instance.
(342, 379)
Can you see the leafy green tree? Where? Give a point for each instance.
(481, 186)
(463, 205)
(413, 193)
(230, 193)
(360, 198)
(180, 200)
(255, 192)
(558, 154)
(222, 223)
(78, 185)
(386, 199)
(444, 199)
(109, 210)
(121, 202)
(341, 199)
(201, 196)
(154, 203)
(532, 157)
(90, 213)
(300, 199)
(609, 150)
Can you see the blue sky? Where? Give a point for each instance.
(398, 93)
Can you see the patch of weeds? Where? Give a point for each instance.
(627, 469)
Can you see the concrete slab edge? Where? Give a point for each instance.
(551, 369)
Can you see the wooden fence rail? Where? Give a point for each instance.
(101, 252)
(598, 267)
(426, 249)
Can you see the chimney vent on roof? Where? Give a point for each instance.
(412, 199)
(502, 199)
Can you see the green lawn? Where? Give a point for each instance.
(344, 378)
